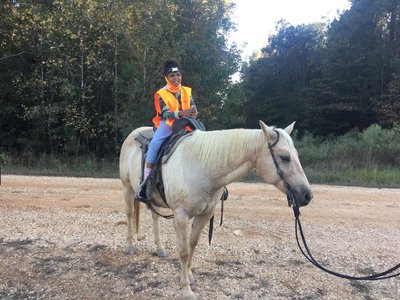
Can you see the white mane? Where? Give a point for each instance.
(225, 147)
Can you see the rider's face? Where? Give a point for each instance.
(175, 78)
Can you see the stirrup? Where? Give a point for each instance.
(141, 194)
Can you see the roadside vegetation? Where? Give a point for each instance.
(78, 76)
(362, 158)
(367, 158)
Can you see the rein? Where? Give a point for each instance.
(292, 201)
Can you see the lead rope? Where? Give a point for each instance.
(298, 228)
(310, 258)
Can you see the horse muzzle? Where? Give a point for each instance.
(303, 196)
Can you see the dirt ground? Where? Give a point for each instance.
(64, 238)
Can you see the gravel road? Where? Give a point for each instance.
(64, 238)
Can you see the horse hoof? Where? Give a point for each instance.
(161, 253)
(191, 279)
(130, 251)
(188, 295)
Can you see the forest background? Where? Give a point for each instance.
(77, 76)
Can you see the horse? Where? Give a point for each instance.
(196, 173)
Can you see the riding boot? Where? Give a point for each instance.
(141, 194)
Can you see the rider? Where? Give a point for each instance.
(172, 102)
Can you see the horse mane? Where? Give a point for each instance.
(223, 147)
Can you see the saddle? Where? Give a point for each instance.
(181, 129)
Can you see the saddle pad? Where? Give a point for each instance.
(145, 136)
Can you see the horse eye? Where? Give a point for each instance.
(285, 158)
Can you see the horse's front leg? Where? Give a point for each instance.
(181, 222)
(156, 233)
(199, 223)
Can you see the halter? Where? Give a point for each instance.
(292, 201)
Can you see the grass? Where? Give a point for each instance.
(368, 158)
(317, 174)
(368, 177)
(56, 166)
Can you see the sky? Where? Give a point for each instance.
(256, 19)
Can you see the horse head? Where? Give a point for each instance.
(278, 164)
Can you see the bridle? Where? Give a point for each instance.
(292, 201)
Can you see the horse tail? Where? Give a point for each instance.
(136, 214)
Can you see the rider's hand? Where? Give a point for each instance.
(193, 113)
(190, 112)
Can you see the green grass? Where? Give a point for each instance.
(317, 174)
(368, 158)
(52, 166)
(369, 177)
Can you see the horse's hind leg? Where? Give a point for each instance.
(132, 213)
(156, 232)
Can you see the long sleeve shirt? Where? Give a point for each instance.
(166, 113)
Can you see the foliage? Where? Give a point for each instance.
(331, 77)
(387, 107)
(48, 165)
(275, 82)
(367, 158)
(80, 75)
(374, 146)
(354, 158)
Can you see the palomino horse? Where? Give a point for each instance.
(196, 173)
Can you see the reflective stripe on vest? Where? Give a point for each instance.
(172, 103)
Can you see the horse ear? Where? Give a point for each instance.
(268, 131)
(289, 129)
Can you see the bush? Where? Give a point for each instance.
(49, 165)
(368, 157)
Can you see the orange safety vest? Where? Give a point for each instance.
(171, 102)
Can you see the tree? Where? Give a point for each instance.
(275, 82)
(387, 108)
(82, 74)
(360, 60)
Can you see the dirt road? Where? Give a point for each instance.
(64, 238)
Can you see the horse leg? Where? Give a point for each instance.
(198, 225)
(156, 232)
(132, 212)
(181, 222)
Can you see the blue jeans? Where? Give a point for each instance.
(162, 133)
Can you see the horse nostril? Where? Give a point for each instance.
(308, 196)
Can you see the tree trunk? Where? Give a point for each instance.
(116, 92)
